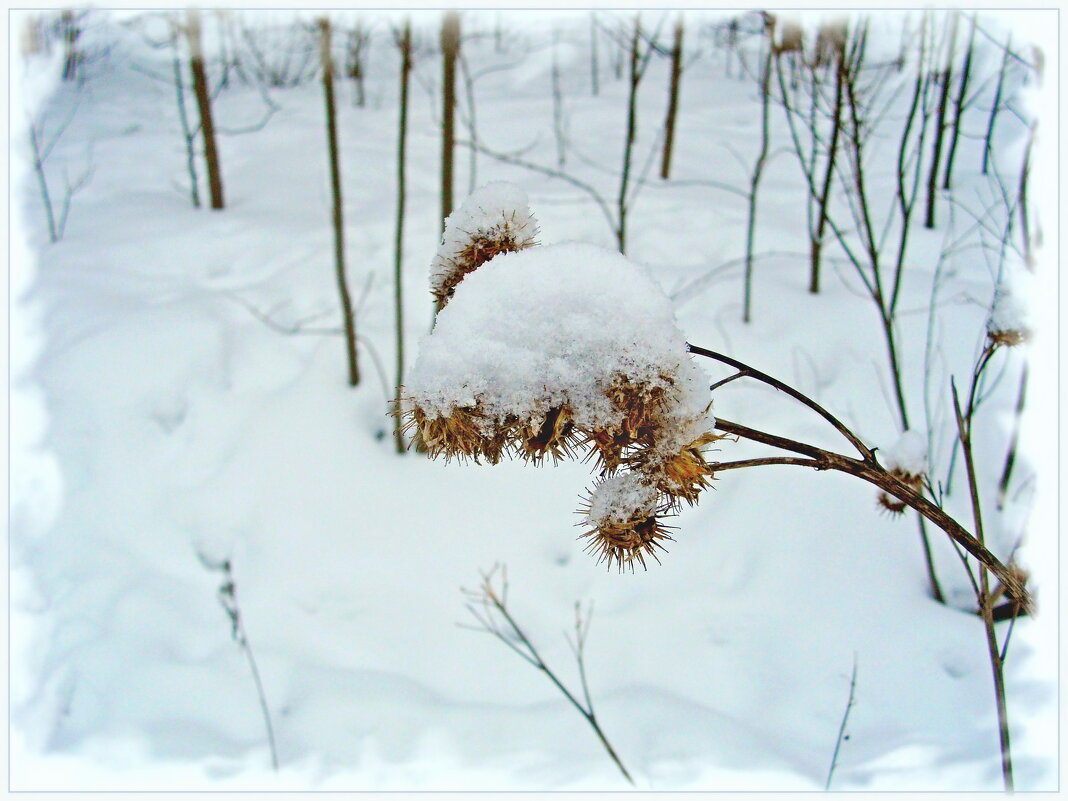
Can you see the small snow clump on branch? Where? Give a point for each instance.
(906, 460)
(494, 219)
(567, 351)
(1008, 324)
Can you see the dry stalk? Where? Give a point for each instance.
(866, 468)
(228, 599)
(842, 736)
(490, 608)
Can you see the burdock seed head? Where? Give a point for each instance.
(1009, 324)
(623, 514)
(906, 460)
(1008, 337)
(892, 504)
(553, 435)
(685, 474)
(462, 434)
(494, 219)
(559, 352)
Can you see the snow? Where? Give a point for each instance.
(1011, 311)
(549, 326)
(156, 420)
(620, 499)
(907, 455)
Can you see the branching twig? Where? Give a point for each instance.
(489, 607)
(854, 440)
(867, 469)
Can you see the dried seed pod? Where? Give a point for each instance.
(494, 219)
(1009, 337)
(553, 435)
(683, 473)
(640, 405)
(628, 542)
(623, 514)
(459, 435)
(686, 474)
(607, 445)
(892, 504)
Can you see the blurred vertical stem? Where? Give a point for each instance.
(985, 599)
(404, 44)
(960, 102)
(632, 127)
(450, 47)
(754, 181)
(940, 125)
(335, 186)
(203, 95)
(988, 140)
(595, 83)
(673, 98)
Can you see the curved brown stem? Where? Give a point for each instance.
(879, 477)
(750, 372)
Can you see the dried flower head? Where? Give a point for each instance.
(892, 504)
(623, 515)
(906, 460)
(1009, 321)
(494, 219)
(1008, 338)
(461, 434)
(684, 475)
(640, 405)
(553, 435)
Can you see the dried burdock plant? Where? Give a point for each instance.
(1008, 337)
(572, 351)
(560, 352)
(894, 505)
(1008, 324)
(553, 435)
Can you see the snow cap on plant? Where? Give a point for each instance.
(494, 219)
(1008, 323)
(906, 460)
(568, 351)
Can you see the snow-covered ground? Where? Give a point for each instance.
(160, 427)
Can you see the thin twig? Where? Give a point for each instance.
(841, 729)
(984, 597)
(228, 598)
(494, 602)
(866, 452)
